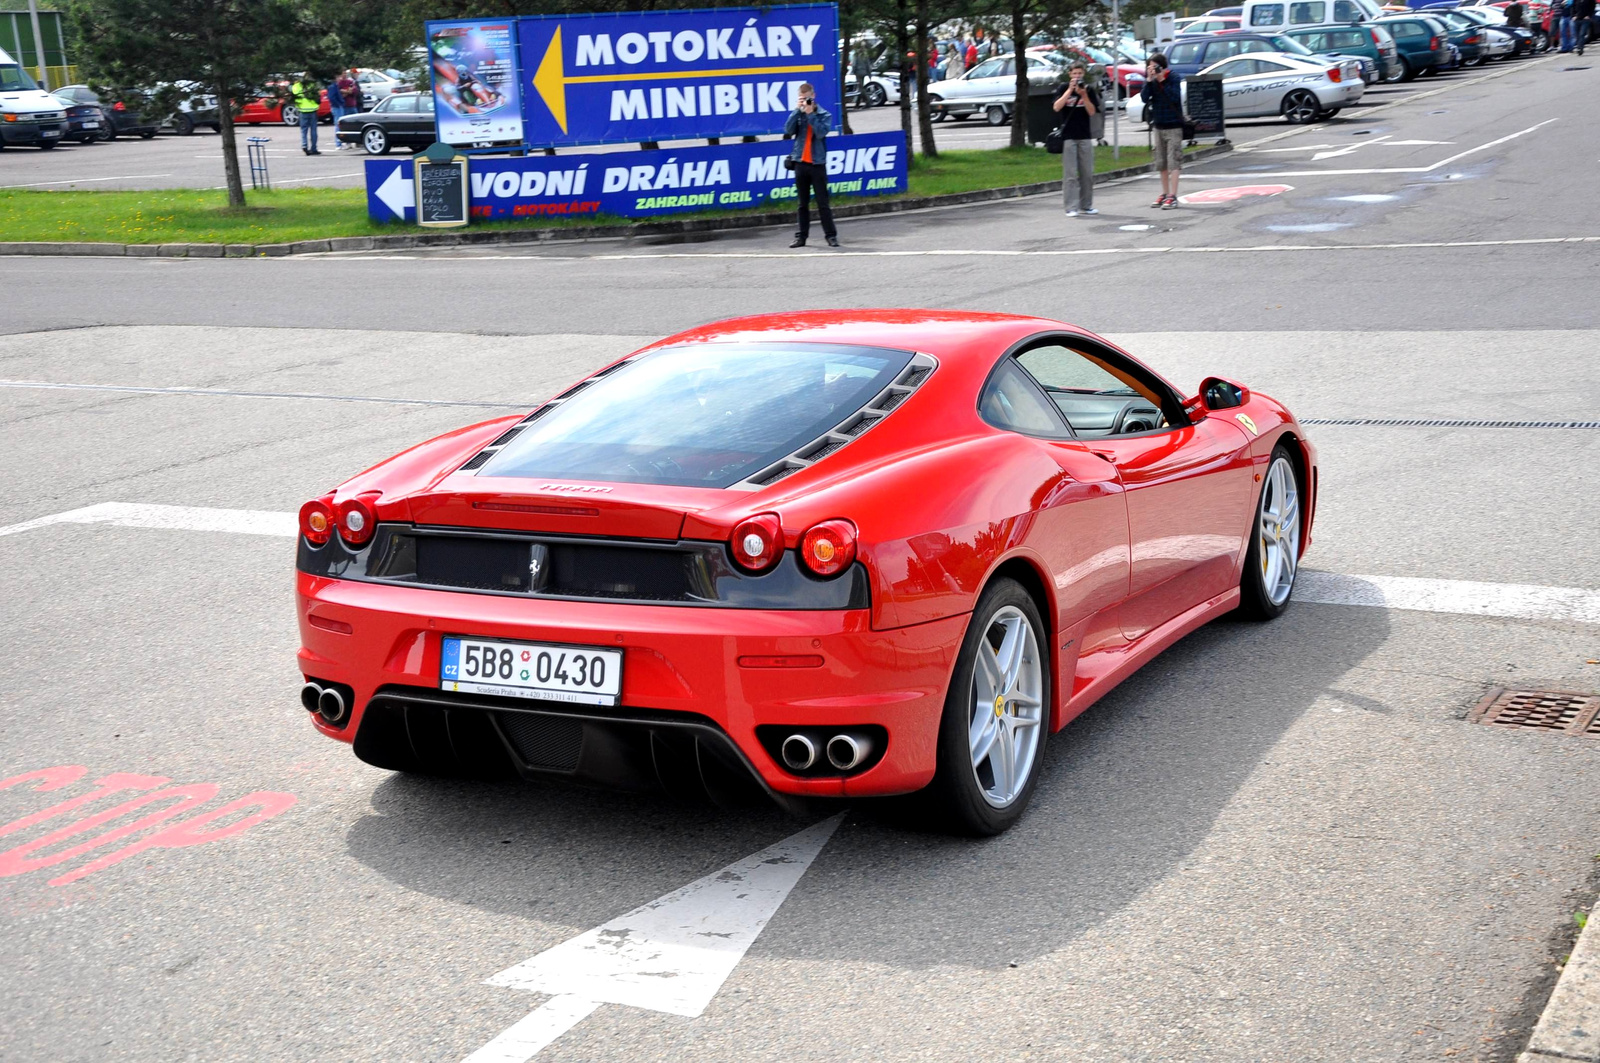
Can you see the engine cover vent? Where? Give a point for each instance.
(851, 428)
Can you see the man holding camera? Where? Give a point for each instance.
(810, 125)
(1163, 109)
(1077, 105)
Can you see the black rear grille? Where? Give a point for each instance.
(690, 572)
(552, 743)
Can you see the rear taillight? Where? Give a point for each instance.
(119, 106)
(1433, 44)
(1375, 38)
(758, 542)
(316, 520)
(357, 519)
(829, 548)
(1334, 74)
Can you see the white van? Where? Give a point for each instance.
(1273, 16)
(27, 115)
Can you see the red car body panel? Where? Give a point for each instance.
(268, 110)
(1129, 542)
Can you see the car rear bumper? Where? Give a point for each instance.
(696, 678)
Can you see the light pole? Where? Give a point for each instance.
(38, 44)
(1116, 61)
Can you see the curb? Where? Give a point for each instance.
(534, 236)
(1569, 1029)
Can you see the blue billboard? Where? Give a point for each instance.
(642, 184)
(674, 75)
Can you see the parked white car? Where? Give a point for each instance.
(378, 85)
(1261, 84)
(988, 89)
(882, 87)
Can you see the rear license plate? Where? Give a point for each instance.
(91, 125)
(581, 675)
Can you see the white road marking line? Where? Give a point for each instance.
(535, 1032)
(295, 180)
(1465, 597)
(1349, 149)
(87, 180)
(171, 518)
(984, 252)
(1375, 170)
(1517, 601)
(670, 955)
(134, 389)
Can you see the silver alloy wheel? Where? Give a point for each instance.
(995, 115)
(290, 114)
(873, 95)
(375, 141)
(1278, 530)
(1301, 107)
(1007, 707)
(1396, 74)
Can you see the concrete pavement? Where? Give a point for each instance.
(1276, 842)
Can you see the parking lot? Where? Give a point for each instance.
(1277, 842)
(195, 161)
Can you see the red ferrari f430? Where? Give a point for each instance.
(830, 554)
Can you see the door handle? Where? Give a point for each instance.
(1106, 455)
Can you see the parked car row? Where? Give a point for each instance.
(29, 115)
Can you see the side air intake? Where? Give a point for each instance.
(851, 428)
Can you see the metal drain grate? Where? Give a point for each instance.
(1541, 710)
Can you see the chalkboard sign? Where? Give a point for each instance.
(442, 192)
(1205, 105)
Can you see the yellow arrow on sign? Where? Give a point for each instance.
(550, 81)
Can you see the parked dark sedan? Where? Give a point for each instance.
(123, 117)
(85, 121)
(401, 120)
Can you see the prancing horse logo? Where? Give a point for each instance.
(1244, 419)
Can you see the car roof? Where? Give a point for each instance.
(956, 335)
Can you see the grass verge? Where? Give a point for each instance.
(178, 216)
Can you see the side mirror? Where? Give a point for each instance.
(1217, 393)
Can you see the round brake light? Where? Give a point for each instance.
(758, 542)
(829, 548)
(357, 521)
(316, 520)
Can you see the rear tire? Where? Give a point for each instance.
(290, 114)
(995, 115)
(1301, 107)
(183, 125)
(985, 794)
(1407, 71)
(1272, 561)
(375, 140)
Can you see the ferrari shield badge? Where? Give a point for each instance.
(1244, 419)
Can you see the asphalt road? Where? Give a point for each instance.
(1276, 842)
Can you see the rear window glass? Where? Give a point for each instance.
(701, 416)
(1266, 15)
(1183, 53)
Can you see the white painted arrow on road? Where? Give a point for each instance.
(396, 192)
(670, 955)
(1348, 148)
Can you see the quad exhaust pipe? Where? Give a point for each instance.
(847, 751)
(326, 701)
(799, 752)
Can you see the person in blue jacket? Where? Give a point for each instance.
(810, 125)
(1163, 109)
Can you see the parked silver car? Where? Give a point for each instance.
(989, 88)
(1300, 88)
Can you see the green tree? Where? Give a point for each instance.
(231, 47)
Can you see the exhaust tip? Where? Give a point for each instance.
(310, 695)
(847, 751)
(331, 706)
(799, 752)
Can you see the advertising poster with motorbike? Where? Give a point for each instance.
(477, 100)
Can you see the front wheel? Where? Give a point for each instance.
(1396, 74)
(996, 715)
(1407, 71)
(183, 125)
(1301, 107)
(1273, 559)
(995, 115)
(1331, 111)
(873, 95)
(290, 114)
(375, 140)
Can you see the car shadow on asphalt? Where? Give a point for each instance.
(1128, 791)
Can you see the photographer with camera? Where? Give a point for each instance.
(1077, 105)
(1163, 109)
(810, 125)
